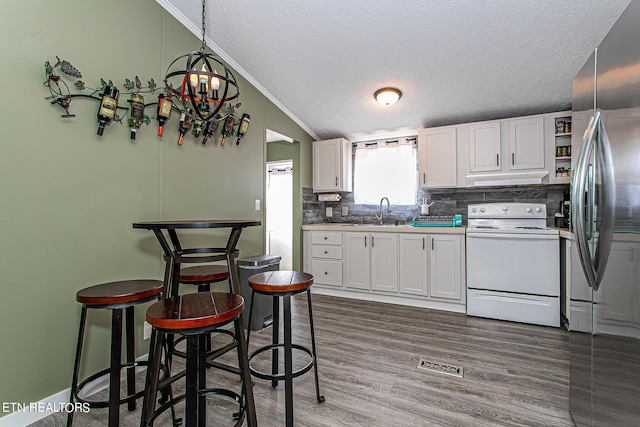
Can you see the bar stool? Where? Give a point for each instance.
(203, 276)
(114, 296)
(284, 284)
(195, 316)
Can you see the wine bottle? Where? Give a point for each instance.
(186, 119)
(227, 128)
(108, 106)
(210, 130)
(198, 123)
(164, 111)
(136, 113)
(244, 127)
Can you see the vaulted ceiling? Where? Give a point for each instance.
(454, 61)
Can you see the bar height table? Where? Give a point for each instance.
(175, 255)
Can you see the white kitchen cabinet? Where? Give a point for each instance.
(332, 165)
(446, 268)
(483, 147)
(525, 148)
(526, 143)
(384, 262)
(324, 254)
(432, 265)
(413, 263)
(372, 261)
(357, 272)
(437, 157)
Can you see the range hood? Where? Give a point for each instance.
(507, 178)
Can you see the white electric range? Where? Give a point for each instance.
(513, 267)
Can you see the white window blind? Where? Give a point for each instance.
(385, 169)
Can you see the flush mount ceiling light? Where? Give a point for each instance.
(387, 96)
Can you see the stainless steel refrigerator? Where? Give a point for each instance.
(605, 204)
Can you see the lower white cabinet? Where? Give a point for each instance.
(413, 265)
(323, 257)
(399, 266)
(431, 265)
(446, 267)
(371, 261)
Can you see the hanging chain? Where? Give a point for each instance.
(204, 20)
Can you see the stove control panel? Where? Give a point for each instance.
(508, 210)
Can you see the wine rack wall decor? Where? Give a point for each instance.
(134, 114)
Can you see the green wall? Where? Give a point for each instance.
(68, 197)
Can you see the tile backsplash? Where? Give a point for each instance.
(445, 202)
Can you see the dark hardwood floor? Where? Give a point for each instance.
(368, 353)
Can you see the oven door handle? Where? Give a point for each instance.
(512, 236)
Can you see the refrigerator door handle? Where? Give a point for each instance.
(607, 204)
(583, 201)
(578, 202)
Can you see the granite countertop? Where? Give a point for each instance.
(390, 228)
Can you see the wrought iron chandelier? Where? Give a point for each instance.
(199, 90)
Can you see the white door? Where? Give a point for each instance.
(445, 274)
(484, 147)
(279, 212)
(357, 256)
(384, 262)
(413, 263)
(526, 143)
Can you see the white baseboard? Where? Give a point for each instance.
(29, 413)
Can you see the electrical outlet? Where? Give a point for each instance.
(146, 331)
(345, 211)
(257, 204)
(328, 211)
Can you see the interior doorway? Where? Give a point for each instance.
(279, 211)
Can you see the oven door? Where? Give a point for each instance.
(514, 262)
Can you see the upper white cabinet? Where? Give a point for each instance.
(523, 150)
(437, 157)
(484, 147)
(332, 165)
(526, 143)
(506, 152)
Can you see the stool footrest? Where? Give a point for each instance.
(280, 377)
(105, 403)
(237, 416)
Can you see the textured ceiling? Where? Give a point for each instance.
(454, 61)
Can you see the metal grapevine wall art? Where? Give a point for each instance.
(108, 95)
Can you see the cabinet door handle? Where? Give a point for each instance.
(326, 252)
(423, 243)
(513, 158)
(424, 177)
(497, 159)
(365, 241)
(432, 243)
(371, 241)
(336, 181)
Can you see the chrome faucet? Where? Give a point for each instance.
(388, 208)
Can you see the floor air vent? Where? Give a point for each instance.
(442, 368)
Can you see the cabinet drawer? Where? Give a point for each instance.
(327, 272)
(327, 251)
(326, 238)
